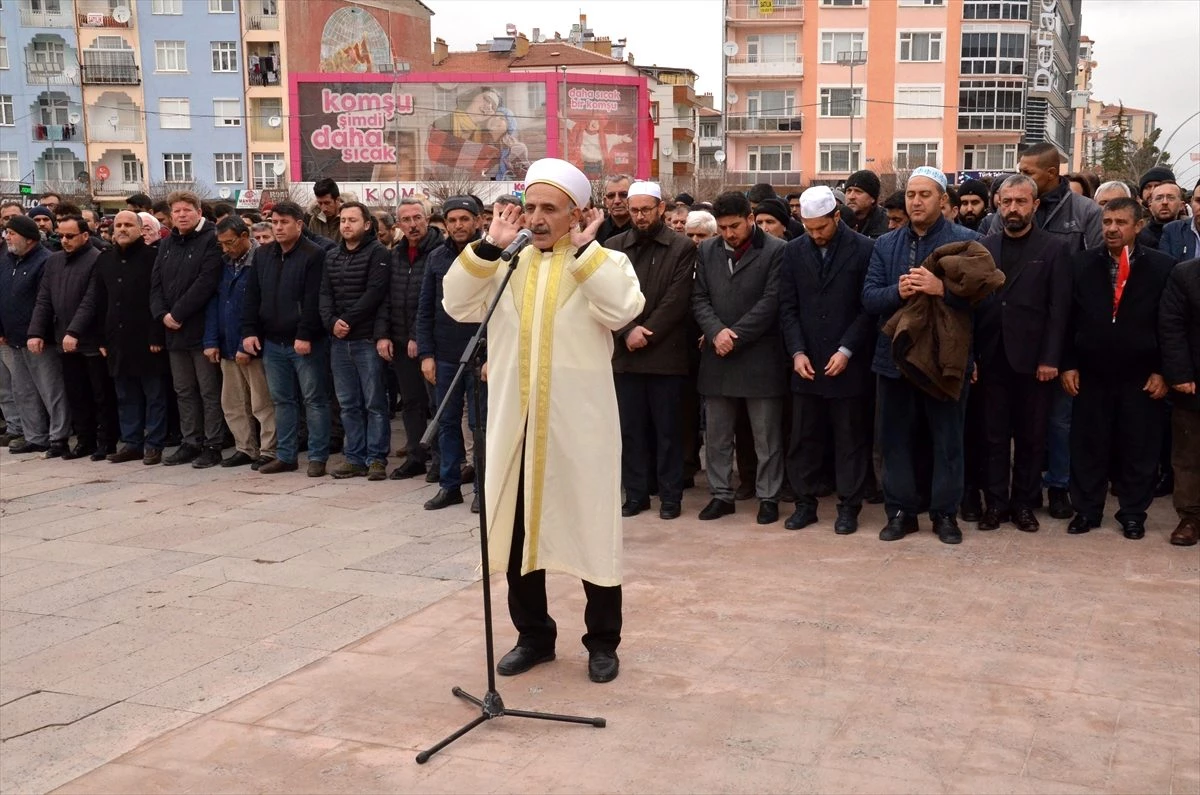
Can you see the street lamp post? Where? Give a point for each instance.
(851, 58)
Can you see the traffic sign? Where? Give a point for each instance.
(102, 173)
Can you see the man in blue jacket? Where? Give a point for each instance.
(895, 275)
(1181, 239)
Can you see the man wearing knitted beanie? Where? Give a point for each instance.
(862, 196)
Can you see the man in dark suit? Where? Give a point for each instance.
(1179, 335)
(1020, 333)
(1114, 372)
(830, 338)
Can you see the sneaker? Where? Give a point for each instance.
(209, 457)
(344, 470)
(377, 470)
(316, 469)
(186, 454)
(152, 457)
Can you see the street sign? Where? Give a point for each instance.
(248, 200)
(102, 173)
(25, 190)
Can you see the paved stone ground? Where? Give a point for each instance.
(754, 659)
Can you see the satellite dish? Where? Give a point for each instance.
(730, 49)
(83, 177)
(73, 118)
(121, 14)
(70, 72)
(732, 97)
(114, 121)
(719, 155)
(274, 121)
(224, 193)
(278, 167)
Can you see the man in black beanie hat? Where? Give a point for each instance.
(1151, 180)
(772, 217)
(862, 196)
(685, 199)
(973, 201)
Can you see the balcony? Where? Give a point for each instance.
(262, 22)
(56, 132)
(742, 68)
(761, 12)
(35, 18)
(111, 75)
(778, 179)
(759, 125)
(112, 187)
(108, 133)
(711, 142)
(683, 133)
(42, 74)
(98, 19)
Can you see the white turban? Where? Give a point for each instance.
(817, 202)
(562, 175)
(645, 189)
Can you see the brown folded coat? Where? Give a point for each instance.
(931, 339)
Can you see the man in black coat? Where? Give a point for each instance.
(1179, 335)
(1020, 333)
(862, 198)
(830, 338)
(186, 276)
(132, 340)
(1114, 372)
(736, 302)
(616, 207)
(56, 324)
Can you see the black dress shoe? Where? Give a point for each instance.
(716, 508)
(261, 461)
(409, 469)
(468, 474)
(57, 449)
(947, 529)
(1060, 504)
(79, 451)
(768, 512)
(209, 457)
(992, 519)
(433, 475)
(971, 508)
(847, 520)
(802, 517)
(670, 510)
(521, 659)
(238, 459)
(184, 455)
(603, 666)
(100, 453)
(1133, 529)
(1081, 524)
(444, 499)
(1025, 521)
(634, 507)
(744, 492)
(898, 527)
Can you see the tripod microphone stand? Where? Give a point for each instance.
(491, 705)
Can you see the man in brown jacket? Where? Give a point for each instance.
(650, 361)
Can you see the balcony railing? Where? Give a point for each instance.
(40, 74)
(776, 178)
(764, 124)
(111, 75)
(115, 187)
(759, 11)
(711, 142)
(46, 19)
(57, 132)
(262, 22)
(96, 19)
(742, 67)
(105, 132)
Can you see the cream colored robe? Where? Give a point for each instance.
(550, 390)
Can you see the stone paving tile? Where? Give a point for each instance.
(346, 623)
(42, 632)
(67, 551)
(39, 710)
(48, 668)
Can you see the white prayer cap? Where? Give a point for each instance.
(817, 202)
(562, 175)
(645, 189)
(929, 172)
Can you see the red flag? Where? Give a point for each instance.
(1122, 278)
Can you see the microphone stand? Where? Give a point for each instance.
(491, 705)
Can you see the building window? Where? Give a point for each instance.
(708, 129)
(45, 6)
(769, 158)
(7, 117)
(268, 171)
(777, 48)
(10, 167)
(170, 56)
(224, 56)
(990, 105)
(996, 9)
(177, 167)
(993, 53)
(841, 102)
(919, 102)
(771, 103)
(990, 157)
(535, 96)
(912, 155)
(60, 166)
(843, 3)
(834, 45)
(920, 46)
(220, 6)
(227, 113)
(175, 113)
(840, 157)
(52, 111)
(51, 53)
(131, 170)
(927, 3)
(173, 7)
(228, 167)
(3, 53)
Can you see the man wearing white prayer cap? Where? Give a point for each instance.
(553, 480)
(830, 339)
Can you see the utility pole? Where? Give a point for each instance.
(852, 58)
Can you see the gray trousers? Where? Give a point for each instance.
(766, 422)
(198, 389)
(41, 395)
(8, 397)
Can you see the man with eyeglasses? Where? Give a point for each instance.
(616, 208)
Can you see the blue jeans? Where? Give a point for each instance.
(142, 410)
(902, 406)
(450, 436)
(1058, 442)
(362, 394)
(284, 368)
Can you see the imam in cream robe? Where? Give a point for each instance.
(551, 396)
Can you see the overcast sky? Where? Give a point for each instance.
(1146, 50)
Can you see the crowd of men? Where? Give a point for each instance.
(951, 350)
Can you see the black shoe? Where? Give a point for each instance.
(634, 507)
(1025, 521)
(262, 461)
(475, 503)
(521, 659)
(1165, 485)
(100, 453)
(57, 449)
(238, 459)
(468, 473)
(79, 451)
(433, 475)
(1081, 524)
(802, 517)
(603, 666)
(1133, 529)
(1060, 504)
(125, 454)
(210, 456)
(184, 455)
(971, 508)
(25, 447)
(898, 527)
(409, 469)
(847, 520)
(768, 512)
(670, 510)
(444, 499)
(744, 492)
(947, 529)
(992, 519)
(716, 508)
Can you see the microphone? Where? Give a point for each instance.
(523, 239)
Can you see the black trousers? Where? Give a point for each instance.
(689, 417)
(414, 402)
(92, 398)
(1017, 411)
(650, 431)
(527, 599)
(847, 423)
(905, 413)
(1116, 429)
